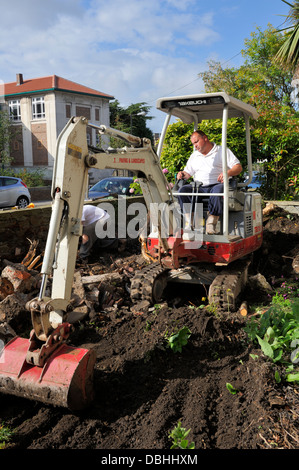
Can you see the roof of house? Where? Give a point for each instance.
(50, 83)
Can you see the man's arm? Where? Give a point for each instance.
(233, 171)
(183, 175)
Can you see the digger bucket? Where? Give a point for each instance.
(65, 380)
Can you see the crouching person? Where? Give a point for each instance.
(94, 219)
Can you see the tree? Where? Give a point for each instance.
(262, 82)
(132, 120)
(289, 50)
(231, 80)
(7, 132)
(276, 138)
(259, 68)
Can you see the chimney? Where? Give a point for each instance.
(54, 81)
(20, 79)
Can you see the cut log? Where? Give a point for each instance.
(6, 288)
(243, 310)
(270, 207)
(20, 278)
(96, 278)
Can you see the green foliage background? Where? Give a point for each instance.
(266, 85)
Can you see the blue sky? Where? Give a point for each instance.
(135, 50)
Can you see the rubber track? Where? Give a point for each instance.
(223, 291)
(143, 282)
(226, 288)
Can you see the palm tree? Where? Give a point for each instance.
(289, 51)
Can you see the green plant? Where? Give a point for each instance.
(231, 389)
(30, 178)
(179, 438)
(148, 325)
(151, 320)
(285, 290)
(277, 333)
(212, 308)
(157, 307)
(176, 341)
(277, 377)
(135, 187)
(5, 435)
(200, 307)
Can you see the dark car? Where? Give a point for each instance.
(112, 186)
(13, 192)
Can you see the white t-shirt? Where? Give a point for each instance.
(207, 168)
(91, 214)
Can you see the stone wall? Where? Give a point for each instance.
(40, 193)
(19, 225)
(290, 206)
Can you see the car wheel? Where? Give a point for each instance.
(22, 202)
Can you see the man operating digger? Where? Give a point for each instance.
(205, 166)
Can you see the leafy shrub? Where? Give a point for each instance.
(277, 333)
(5, 435)
(179, 438)
(30, 178)
(176, 341)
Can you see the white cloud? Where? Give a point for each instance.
(181, 4)
(36, 13)
(135, 50)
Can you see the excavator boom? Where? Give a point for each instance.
(44, 367)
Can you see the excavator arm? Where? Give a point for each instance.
(44, 367)
(70, 175)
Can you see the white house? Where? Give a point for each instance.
(40, 108)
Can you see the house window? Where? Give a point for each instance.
(97, 114)
(15, 110)
(68, 111)
(83, 111)
(38, 108)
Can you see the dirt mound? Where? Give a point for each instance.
(143, 388)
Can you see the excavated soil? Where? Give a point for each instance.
(143, 389)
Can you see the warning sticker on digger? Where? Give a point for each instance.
(74, 151)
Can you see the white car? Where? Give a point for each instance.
(13, 192)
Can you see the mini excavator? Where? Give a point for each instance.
(45, 367)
